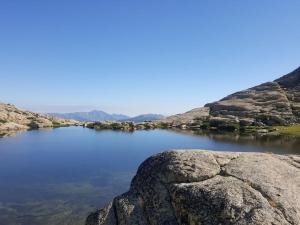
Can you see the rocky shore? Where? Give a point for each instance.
(204, 187)
(13, 119)
(123, 126)
(270, 104)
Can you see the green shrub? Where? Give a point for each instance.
(224, 125)
(3, 121)
(33, 125)
(205, 125)
(162, 125)
(229, 127)
(55, 124)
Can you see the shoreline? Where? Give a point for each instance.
(292, 131)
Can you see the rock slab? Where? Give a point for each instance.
(271, 103)
(204, 187)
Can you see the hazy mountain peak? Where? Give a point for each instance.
(99, 115)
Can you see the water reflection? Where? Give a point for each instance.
(58, 176)
(281, 144)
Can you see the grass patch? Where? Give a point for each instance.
(289, 130)
(55, 124)
(252, 129)
(162, 125)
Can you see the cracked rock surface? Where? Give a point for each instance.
(204, 187)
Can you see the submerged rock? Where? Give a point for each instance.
(202, 187)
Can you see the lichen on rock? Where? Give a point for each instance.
(204, 187)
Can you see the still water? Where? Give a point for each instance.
(58, 176)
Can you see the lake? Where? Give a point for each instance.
(59, 176)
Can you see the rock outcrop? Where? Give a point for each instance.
(290, 84)
(13, 119)
(202, 187)
(201, 113)
(123, 126)
(271, 103)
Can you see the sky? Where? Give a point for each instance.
(134, 57)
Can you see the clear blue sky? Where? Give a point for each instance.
(158, 56)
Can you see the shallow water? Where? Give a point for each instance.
(58, 176)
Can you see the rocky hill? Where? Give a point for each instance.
(202, 187)
(271, 103)
(13, 119)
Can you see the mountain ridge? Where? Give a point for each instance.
(99, 115)
(94, 115)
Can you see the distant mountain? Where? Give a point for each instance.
(145, 117)
(95, 115)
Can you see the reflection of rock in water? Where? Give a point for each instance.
(8, 134)
(288, 143)
(284, 143)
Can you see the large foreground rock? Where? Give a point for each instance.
(202, 187)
